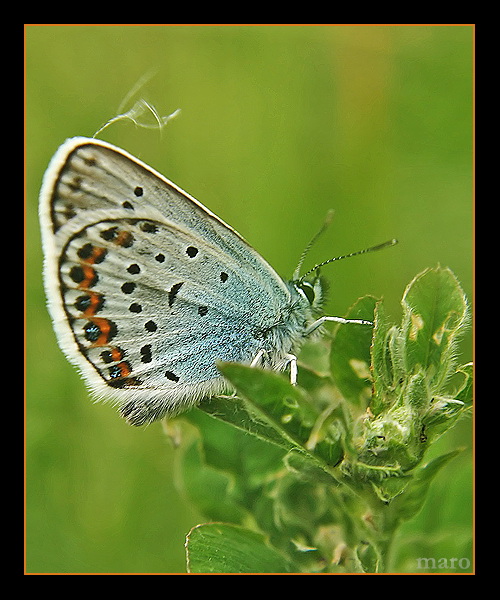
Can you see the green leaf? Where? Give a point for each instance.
(211, 490)
(305, 468)
(465, 394)
(236, 412)
(350, 354)
(229, 448)
(390, 487)
(225, 468)
(275, 410)
(444, 411)
(408, 504)
(434, 313)
(224, 548)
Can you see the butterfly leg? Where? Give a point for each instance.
(257, 357)
(291, 359)
(321, 320)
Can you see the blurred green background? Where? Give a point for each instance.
(278, 125)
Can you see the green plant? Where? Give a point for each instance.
(318, 477)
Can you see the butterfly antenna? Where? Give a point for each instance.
(371, 249)
(326, 223)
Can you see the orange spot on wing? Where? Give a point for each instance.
(96, 301)
(124, 368)
(116, 354)
(89, 277)
(106, 329)
(97, 256)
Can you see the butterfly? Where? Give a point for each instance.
(148, 289)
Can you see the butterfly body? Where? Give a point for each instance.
(148, 289)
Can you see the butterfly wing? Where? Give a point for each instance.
(146, 287)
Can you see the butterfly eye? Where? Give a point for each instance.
(308, 290)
